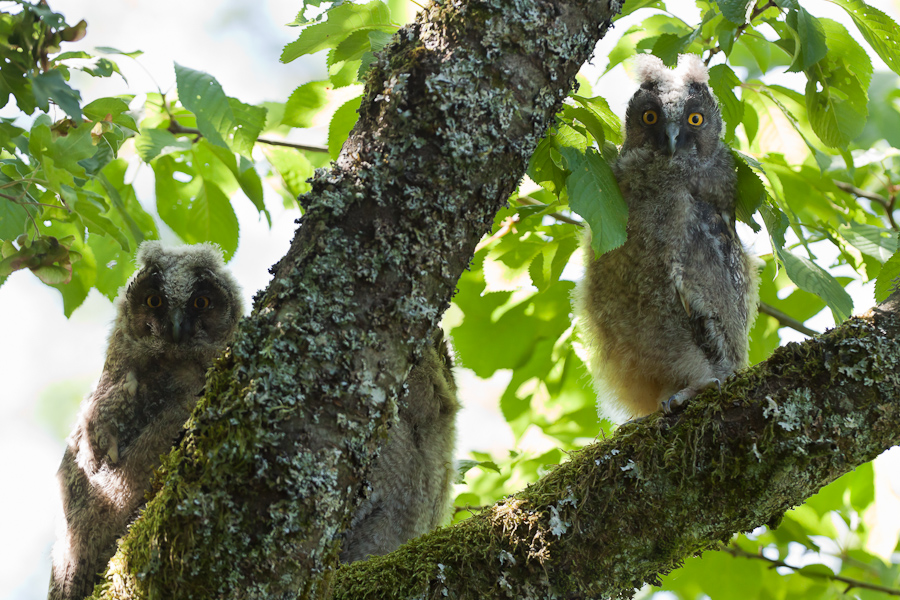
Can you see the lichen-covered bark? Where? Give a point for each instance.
(623, 511)
(251, 502)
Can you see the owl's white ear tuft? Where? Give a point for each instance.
(149, 252)
(649, 68)
(692, 69)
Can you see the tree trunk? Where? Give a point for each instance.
(624, 510)
(252, 501)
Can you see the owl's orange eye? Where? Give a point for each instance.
(154, 301)
(695, 119)
(650, 117)
(201, 302)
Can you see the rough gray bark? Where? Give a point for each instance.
(252, 501)
(623, 511)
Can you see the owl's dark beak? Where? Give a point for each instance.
(181, 325)
(672, 131)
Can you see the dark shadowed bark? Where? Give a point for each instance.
(623, 511)
(251, 502)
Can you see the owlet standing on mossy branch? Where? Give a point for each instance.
(175, 316)
(669, 313)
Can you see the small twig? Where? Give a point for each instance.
(528, 201)
(737, 32)
(509, 224)
(467, 508)
(786, 320)
(851, 583)
(176, 128)
(889, 205)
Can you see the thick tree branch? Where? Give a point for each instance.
(252, 501)
(627, 509)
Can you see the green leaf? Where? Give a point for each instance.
(836, 93)
(588, 119)
(64, 152)
(463, 466)
(115, 265)
(13, 218)
(549, 264)
(201, 94)
(250, 122)
(342, 21)
(878, 29)
(737, 11)
(155, 142)
(725, 34)
(751, 193)
(50, 85)
(112, 110)
(645, 32)
(811, 277)
(719, 576)
(888, 279)
(873, 241)
(353, 48)
(111, 50)
(377, 41)
(594, 195)
(251, 185)
(127, 213)
(723, 80)
(294, 169)
(811, 35)
(90, 208)
(598, 106)
(668, 46)
(635, 5)
(198, 210)
(304, 103)
(84, 269)
(499, 330)
(341, 124)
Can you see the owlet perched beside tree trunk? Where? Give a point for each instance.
(175, 316)
(412, 478)
(669, 312)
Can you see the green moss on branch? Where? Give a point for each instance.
(627, 509)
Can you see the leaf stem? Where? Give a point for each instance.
(889, 205)
(176, 128)
(528, 201)
(851, 583)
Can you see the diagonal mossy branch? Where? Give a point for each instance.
(627, 509)
(251, 502)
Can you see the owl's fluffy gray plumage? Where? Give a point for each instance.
(669, 312)
(411, 479)
(174, 317)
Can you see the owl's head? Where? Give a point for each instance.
(674, 112)
(182, 301)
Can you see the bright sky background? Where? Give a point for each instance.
(45, 356)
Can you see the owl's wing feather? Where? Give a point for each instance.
(709, 281)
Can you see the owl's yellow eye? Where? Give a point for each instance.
(154, 301)
(201, 302)
(695, 119)
(650, 117)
